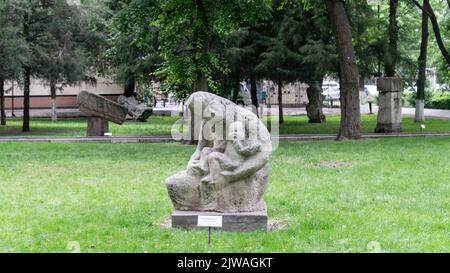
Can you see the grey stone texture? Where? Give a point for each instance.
(229, 170)
(137, 111)
(243, 221)
(389, 119)
(97, 126)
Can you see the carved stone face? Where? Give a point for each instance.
(236, 131)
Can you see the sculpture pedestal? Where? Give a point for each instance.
(239, 221)
(389, 118)
(97, 126)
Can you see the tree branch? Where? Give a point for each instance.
(426, 7)
(417, 4)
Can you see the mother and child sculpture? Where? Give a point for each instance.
(229, 170)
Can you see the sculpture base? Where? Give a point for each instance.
(97, 127)
(239, 221)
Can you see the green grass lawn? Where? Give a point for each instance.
(112, 198)
(157, 126)
(300, 125)
(76, 127)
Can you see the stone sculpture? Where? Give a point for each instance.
(137, 111)
(389, 119)
(228, 173)
(99, 111)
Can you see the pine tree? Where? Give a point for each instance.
(67, 57)
(13, 51)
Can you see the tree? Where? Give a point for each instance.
(427, 8)
(319, 58)
(192, 34)
(350, 127)
(67, 55)
(133, 49)
(53, 32)
(35, 15)
(281, 59)
(241, 53)
(13, 51)
(302, 32)
(392, 55)
(420, 97)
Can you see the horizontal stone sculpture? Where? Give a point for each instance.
(97, 106)
(99, 111)
(138, 111)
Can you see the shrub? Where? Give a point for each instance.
(439, 101)
(433, 100)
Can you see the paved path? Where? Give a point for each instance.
(406, 111)
(75, 113)
(164, 139)
(67, 113)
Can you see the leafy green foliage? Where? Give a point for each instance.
(69, 50)
(13, 49)
(133, 44)
(192, 32)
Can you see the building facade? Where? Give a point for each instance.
(294, 94)
(66, 97)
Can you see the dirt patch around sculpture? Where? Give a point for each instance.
(334, 164)
(166, 223)
(277, 225)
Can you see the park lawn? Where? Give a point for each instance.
(112, 198)
(159, 126)
(300, 125)
(76, 127)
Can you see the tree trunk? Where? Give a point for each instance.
(254, 94)
(437, 32)
(53, 97)
(280, 102)
(391, 58)
(2, 102)
(27, 78)
(426, 7)
(201, 84)
(26, 99)
(420, 99)
(350, 127)
(314, 106)
(129, 89)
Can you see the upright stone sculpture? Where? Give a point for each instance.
(99, 111)
(389, 118)
(228, 173)
(138, 111)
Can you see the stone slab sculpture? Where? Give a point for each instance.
(137, 111)
(389, 119)
(229, 171)
(99, 111)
